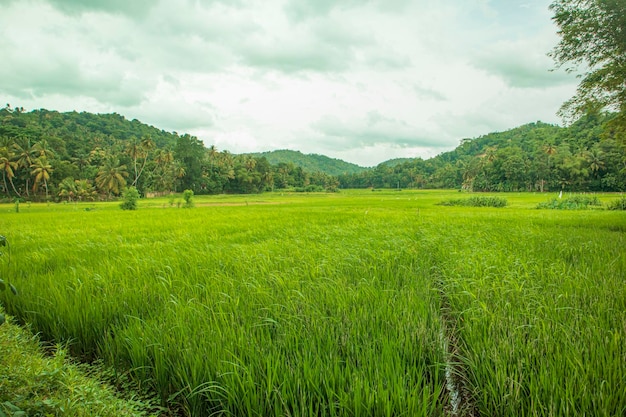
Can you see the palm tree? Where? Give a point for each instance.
(7, 166)
(212, 154)
(111, 176)
(67, 189)
(595, 158)
(139, 150)
(42, 148)
(84, 190)
(41, 171)
(23, 156)
(81, 161)
(549, 150)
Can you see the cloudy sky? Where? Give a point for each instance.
(360, 80)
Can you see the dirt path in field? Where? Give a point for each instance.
(251, 203)
(461, 404)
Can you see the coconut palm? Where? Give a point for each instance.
(67, 189)
(84, 190)
(42, 148)
(8, 167)
(111, 176)
(595, 158)
(41, 171)
(139, 150)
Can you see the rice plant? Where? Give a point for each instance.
(334, 304)
(476, 201)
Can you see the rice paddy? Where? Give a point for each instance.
(355, 303)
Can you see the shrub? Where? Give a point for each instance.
(310, 189)
(617, 204)
(577, 202)
(188, 197)
(477, 201)
(130, 196)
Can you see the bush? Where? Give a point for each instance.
(310, 189)
(188, 197)
(477, 201)
(577, 202)
(617, 204)
(130, 196)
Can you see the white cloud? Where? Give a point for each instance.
(360, 80)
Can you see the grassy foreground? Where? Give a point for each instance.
(332, 304)
(32, 383)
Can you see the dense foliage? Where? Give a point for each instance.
(310, 162)
(83, 156)
(593, 34)
(586, 156)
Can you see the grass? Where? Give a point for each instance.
(476, 201)
(331, 304)
(575, 202)
(617, 204)
(33, 383)
(540, 306)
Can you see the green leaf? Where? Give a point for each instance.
(3, 241)
(11, 406)
(13, 289)
(3, 285)
(2, 320)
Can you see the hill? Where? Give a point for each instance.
(48, 155)
(586, 156)
(395, 161)
(310, 162)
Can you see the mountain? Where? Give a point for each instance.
(310, 162)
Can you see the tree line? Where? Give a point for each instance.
(589, 155)
(47, 155)
(82, 156)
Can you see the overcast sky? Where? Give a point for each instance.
(360, 80)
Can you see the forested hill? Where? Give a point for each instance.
(82, 156)
(51, 155)
(310, 162)
(586, 156)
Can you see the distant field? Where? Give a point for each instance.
(352, 303)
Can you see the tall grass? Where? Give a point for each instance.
(540, 305)
(330, 304)
(242, 310)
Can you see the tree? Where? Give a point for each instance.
(8, 167)
(111, 177)
(139, 150)
(190, 152)
(67, 189)
(41, 171)
(593, 33)
(23, 154)
(42, 148)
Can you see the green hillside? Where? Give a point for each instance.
(589, 155)
(53, 156)
(395, 161)
(310, 162)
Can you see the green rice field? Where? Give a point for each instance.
(357, 303)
